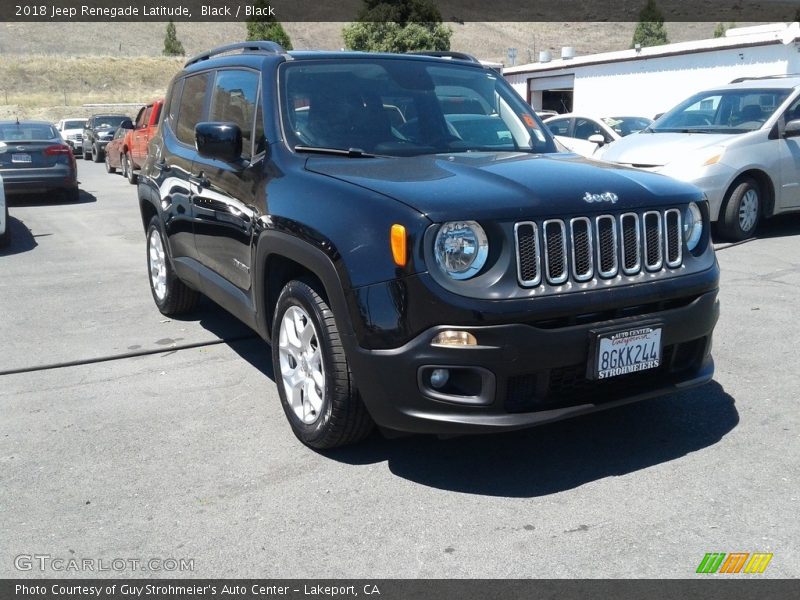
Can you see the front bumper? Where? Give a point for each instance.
(524, 375)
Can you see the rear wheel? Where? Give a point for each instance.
(312, 373)
(742, 210)
(170, 294)
(132, 177)
(109, 168)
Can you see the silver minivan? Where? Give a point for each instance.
(739, 143)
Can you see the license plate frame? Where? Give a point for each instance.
(645, 335)
(21, 158)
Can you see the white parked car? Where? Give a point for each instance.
(71, 129)
(5, 232)
(739, 143)
(585, 135)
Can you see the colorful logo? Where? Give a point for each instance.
(735, 562)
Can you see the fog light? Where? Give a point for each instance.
(454, 338)
(439, 378)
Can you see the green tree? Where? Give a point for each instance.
(721, 28)
(267, 27)
(172, 45)
(397, 26)
(650, 29)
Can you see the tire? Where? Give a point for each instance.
(171, 295)
(741, 210)
(109, 168)
(129, 174)
(5, 237)
(322, 404)
(97, 154)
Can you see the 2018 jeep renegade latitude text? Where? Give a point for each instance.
(403, 232)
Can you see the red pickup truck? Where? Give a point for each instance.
(135, 145)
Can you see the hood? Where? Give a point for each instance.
(658, 149)
(504, 185)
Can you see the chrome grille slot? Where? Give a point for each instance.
(583, 248)
(529, 272)
(631, 244)
(555, 251)
(607, 264)
(580, 229)
(653, 244)
(672, 238)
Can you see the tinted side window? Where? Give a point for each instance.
(190, 111)
(234, 101)
(585, 128)
(559, 127)
(146, 116)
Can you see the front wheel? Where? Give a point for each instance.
(312, 373)
(171, 295)
(97, 153)
(742, 209)
(5, 237)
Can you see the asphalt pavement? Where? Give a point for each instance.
(125, 435)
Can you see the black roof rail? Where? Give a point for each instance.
(448, 54)
(257, 46)
(779, 76)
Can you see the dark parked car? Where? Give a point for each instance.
(98, 133)
(424, 271)
(35, 160)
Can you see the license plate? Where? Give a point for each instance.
(624, 352)
(20, 158)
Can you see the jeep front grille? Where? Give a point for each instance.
(604, 246)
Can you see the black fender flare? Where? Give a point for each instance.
(276, 243)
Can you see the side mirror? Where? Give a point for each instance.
(598, 139)
(792, 128)
(127, 124)
(221, 141)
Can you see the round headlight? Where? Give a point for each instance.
(461, 249)
(692, 226)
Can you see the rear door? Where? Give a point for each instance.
(174, 161)
(225, 205)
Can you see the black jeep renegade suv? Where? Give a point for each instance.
(403, 232)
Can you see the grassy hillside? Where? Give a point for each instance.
(122, 62)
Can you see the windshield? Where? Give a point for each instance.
(74, 124)
(27, 132)
(399, 107)
(109, 121)
(722, 111)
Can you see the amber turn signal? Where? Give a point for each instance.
(398, 239)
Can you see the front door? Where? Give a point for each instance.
(225, 194)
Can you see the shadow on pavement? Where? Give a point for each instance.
(49, 199)
(560, 456)
(22, 239)
(778, 226)
(238, 336)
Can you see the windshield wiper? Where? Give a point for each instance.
(351, 152)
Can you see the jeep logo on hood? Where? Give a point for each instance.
(604, 197)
